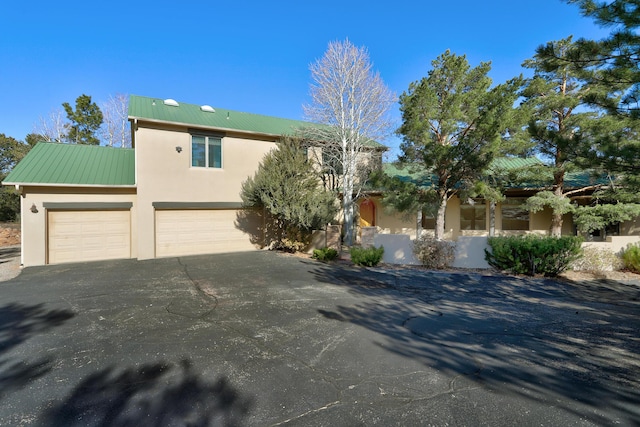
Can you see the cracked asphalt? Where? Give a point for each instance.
(262, 338)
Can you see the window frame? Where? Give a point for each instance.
(207, 137)
(515, 204)
(478, 205)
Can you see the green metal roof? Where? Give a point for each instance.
(155, 109)
(511, 163)
(70, 164)
(575, 179)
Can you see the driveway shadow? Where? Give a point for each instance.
(9, 253)
(534, 338)
(18, 323)
(159, 394)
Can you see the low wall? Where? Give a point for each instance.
(398, 249)
(469, 252)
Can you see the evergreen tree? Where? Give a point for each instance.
(11, 152)
(453, 122)
(288, 187)
(555, 95)
(611, 66)
(85, 121)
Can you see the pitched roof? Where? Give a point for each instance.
(575, 179)
(76, 165)
(170, 111)
(155, 109)
(511, 163)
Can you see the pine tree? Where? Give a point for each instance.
(453, 122)
(555, 95)
(85, 121)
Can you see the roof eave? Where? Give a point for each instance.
(146, 119)
(49, 184)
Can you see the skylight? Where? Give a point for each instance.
(171, 102)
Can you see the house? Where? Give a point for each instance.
(471, 217)
(468, 221)
(176, 192)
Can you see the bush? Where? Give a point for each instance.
(325, 254)
(432, 253)
(631, 257)
(367, 257)
(292, 245)
(598, 259)
(533, 254)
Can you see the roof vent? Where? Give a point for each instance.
(207, 108)
(171, 102)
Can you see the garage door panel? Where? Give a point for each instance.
(76, 236)
(193, 232)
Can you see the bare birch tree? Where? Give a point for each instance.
(115, 130)
(353, 102)
(54, 127)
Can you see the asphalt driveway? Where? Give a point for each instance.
(268, 339)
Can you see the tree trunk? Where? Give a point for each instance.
(556, 224)
(556, 217)
(492, 218)
(419, 224)
(442, 209)
(347, 207)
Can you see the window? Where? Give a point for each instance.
(428, 220)
(609, 230)
(473, 216)
(514, 215)
(331, 162)
(206, 151)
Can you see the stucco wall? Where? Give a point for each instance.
(34, 224)
(165, 175)
(539, 222)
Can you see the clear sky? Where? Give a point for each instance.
(250, 56)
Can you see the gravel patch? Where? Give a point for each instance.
(9, 262)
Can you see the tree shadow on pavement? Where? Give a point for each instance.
(160, 394)
(533, 338)
(18, 323)
(7, 254)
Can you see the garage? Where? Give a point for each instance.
(206, 231)
(88, 235)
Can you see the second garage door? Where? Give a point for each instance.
(76, 236)
(206, 231)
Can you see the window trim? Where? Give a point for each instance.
(475, 206)
(206, 136)
(515, 204)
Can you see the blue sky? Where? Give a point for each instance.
(250, 56)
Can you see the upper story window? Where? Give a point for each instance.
(206, 151)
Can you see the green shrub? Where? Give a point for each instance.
(631, 257)
(325, 254)
(532, 254)
(434, 254)
(366, 256)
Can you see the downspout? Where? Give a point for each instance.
(19, 190)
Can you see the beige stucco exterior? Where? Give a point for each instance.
(34, 221)
(388, 222)
(165, 175)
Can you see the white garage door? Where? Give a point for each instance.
(75, 236)
(206, 231)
